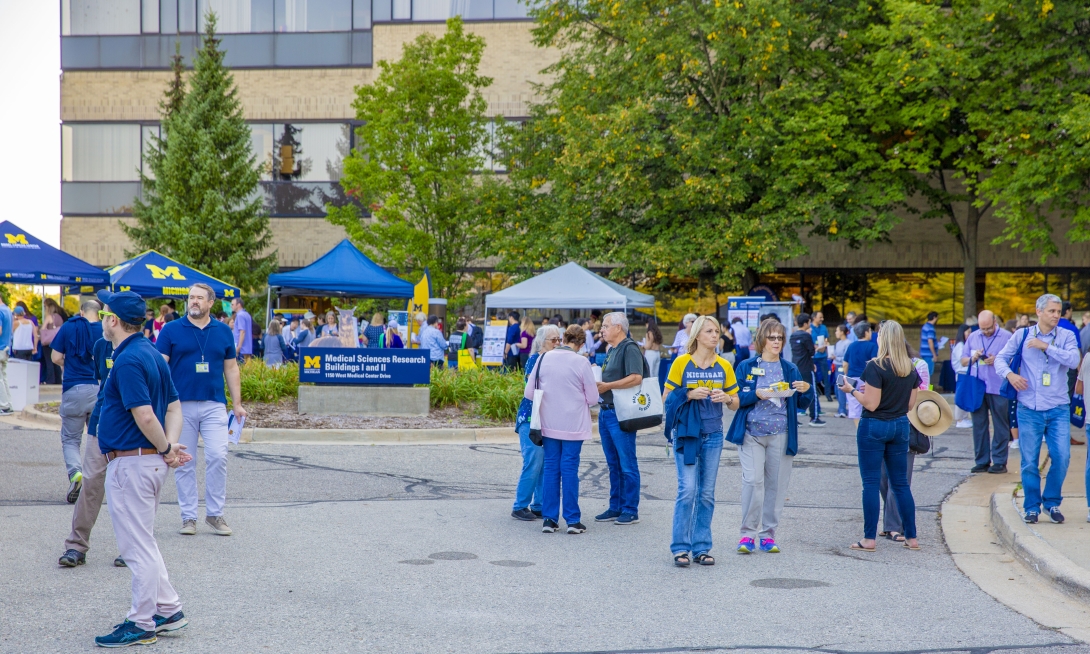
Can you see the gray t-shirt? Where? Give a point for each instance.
(621, 361)
(766, 418)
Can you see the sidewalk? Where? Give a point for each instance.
(1042, 570)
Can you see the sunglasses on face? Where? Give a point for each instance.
(102, 314)
(552, 340)
(774, 338)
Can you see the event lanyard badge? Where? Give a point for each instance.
(202, 365)
(1046, 376)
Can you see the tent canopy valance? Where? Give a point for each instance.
(153, 275)
(570, 286)
(344, 271)
(26, 259)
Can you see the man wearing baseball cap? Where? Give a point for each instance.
(139, 427)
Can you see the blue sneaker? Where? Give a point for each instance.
(627, 519)
(173, 623)
(125, 634)
(1030, 518)
(769, 545)
(746, 546)
(609, 515)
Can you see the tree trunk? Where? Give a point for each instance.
(968, 257)
(749, 280)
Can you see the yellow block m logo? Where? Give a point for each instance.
(16, 239)
(170, 272)
(312, 362)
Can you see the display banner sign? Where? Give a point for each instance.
(334, 365)
(495, 333)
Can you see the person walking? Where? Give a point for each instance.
(766, 431)
(742, 339)
(201, 354)
(24, 336)
(568, 390)
(529, 491)
(929, 342)
(980, 350)
(820, 333)
(839, 350)
(242, 330)
(652, 347)
(802, 353)
(276, 350)
(431, 339)
(138, 432)
(890, 387)
(372, 334)
(892, 526)
(623, 368)
(73, 353)
(55, 317)
(1048, 351)
(5, 343)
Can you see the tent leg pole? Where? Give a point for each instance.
(268, 304)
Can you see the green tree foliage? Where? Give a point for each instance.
(417, 163)
(698, 139)
(201, 205)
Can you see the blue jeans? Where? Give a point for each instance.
(815, 405)
(930, 366)
(841, 402)
(695, 502)
(821, 375)
(624, 473)
(561, 469)
(528, 492)
(1054, 428)
(885, 441)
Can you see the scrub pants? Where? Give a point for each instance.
(766, 472)
(77, 403)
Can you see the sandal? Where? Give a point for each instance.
(682, 560)
(907, 546)
(895, 536)
(705, 559)
(858, 546)
(885, 534)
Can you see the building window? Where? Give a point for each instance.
(187, 16)
(301, 152)
(511, 9)
(444, 9)
(150, 16)
(313, 15)
(100, 153)
(361, 15)
(100, 17)
(1009, 293)
(168, 16)
(403, 9)
(238, 16)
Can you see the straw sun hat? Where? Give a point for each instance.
(931, 415)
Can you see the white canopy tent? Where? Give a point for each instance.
(570, 286)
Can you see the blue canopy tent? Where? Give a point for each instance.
(344, 271)
(154, 275)
(25, 259)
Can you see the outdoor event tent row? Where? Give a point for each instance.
(570, 286)
(26, 259)
(154, 275)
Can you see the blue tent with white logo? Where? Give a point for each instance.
(344, 271)
(154, 275)
(25, 259)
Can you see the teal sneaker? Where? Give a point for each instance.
(746, 546)
(769, 545)
(173, 623)
(126, 634)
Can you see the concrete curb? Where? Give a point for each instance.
(1020, 539)
(30, 414)
(380, 436)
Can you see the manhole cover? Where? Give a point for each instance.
(787, 583)
(452, 556)
(512, 564)
(417, 561)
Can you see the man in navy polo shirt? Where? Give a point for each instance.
(73, 350)
(201, 353)
(138, 430)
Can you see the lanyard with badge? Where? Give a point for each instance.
(202, 365)
(1046, 376)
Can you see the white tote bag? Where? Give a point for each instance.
(639, 407)
(535, 412)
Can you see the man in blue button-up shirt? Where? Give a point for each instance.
(431, 339)
(1048, 352)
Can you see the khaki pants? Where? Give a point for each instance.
(90, 497)
(5, 393)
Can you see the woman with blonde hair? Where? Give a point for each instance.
(766, 431)
(526, 338)
(276, 351)
(372, 333)
(882, 437)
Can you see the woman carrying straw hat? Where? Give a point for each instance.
(882, 437)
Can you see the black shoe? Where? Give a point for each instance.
(549, 526)
(72, 558)
(120, 563)
(1055, 515)
(537, 514)
(524, 514)
(998, 469)
(7, 412)
(1030, 518)
(817, 422)
(576, 528)
(74, 486)
(983, 467)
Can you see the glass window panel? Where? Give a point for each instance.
(1009, 293)
(909, 297)
(1057, 284)
(150, 16)
(261, 142)
(168, 16)
(310, 152)
(313, 15)
(380, 10)
(403, 9)
(100, 153)
(187, 16)
(361, 15)
(842, 292)
(1080, 292)
(511, 9)
(100, 17)
(232, 16)
(147, 135)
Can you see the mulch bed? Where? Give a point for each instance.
(49, 407)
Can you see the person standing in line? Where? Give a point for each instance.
(839, 350)
(1048, 351)
(242, 328)
(891, 384)
(138, 430)
(201, 354)
(511, 341)
(459, 341)
(276, 350)
(980, 350)
(681, 338)
(766, 432)
(527, 332)
(89, 503)
(305, 336)
(55, 317)
(431, 339)
(742, 339)
(802, 353)
(5, 343)
(929, 342)
(652, 347)
(820, 333)
(24, 336)
(855, 362)
(568, 390)
(624, 367)
(392, 337)
(73, 352)
(372, 334)
(529, 491)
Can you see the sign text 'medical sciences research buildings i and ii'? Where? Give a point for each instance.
(334, 365)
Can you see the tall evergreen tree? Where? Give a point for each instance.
(201, 204)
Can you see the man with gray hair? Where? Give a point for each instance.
(73, 349)
(624, 368)
(1048, 352)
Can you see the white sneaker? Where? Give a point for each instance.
(965, 424)
(1014, 444)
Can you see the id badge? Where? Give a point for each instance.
(758, 371)
(109, 363)
(1046, 379)
(202, 366)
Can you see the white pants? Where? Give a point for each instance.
(132, 489)
(766, 472)
(209, 419)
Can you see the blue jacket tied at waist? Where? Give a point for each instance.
(683, 424)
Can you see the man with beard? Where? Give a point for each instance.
(201, 353)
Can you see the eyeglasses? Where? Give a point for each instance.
(774, 338)
(552, 340)
(102, 314)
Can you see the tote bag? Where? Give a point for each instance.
(1006, 389)
(969, 392)
(535, 412)
(1078, 411)
(639, 407)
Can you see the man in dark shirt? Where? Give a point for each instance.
(802, 354)
(73, 350)
(510, 344)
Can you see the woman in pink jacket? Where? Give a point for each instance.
(568, 390)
